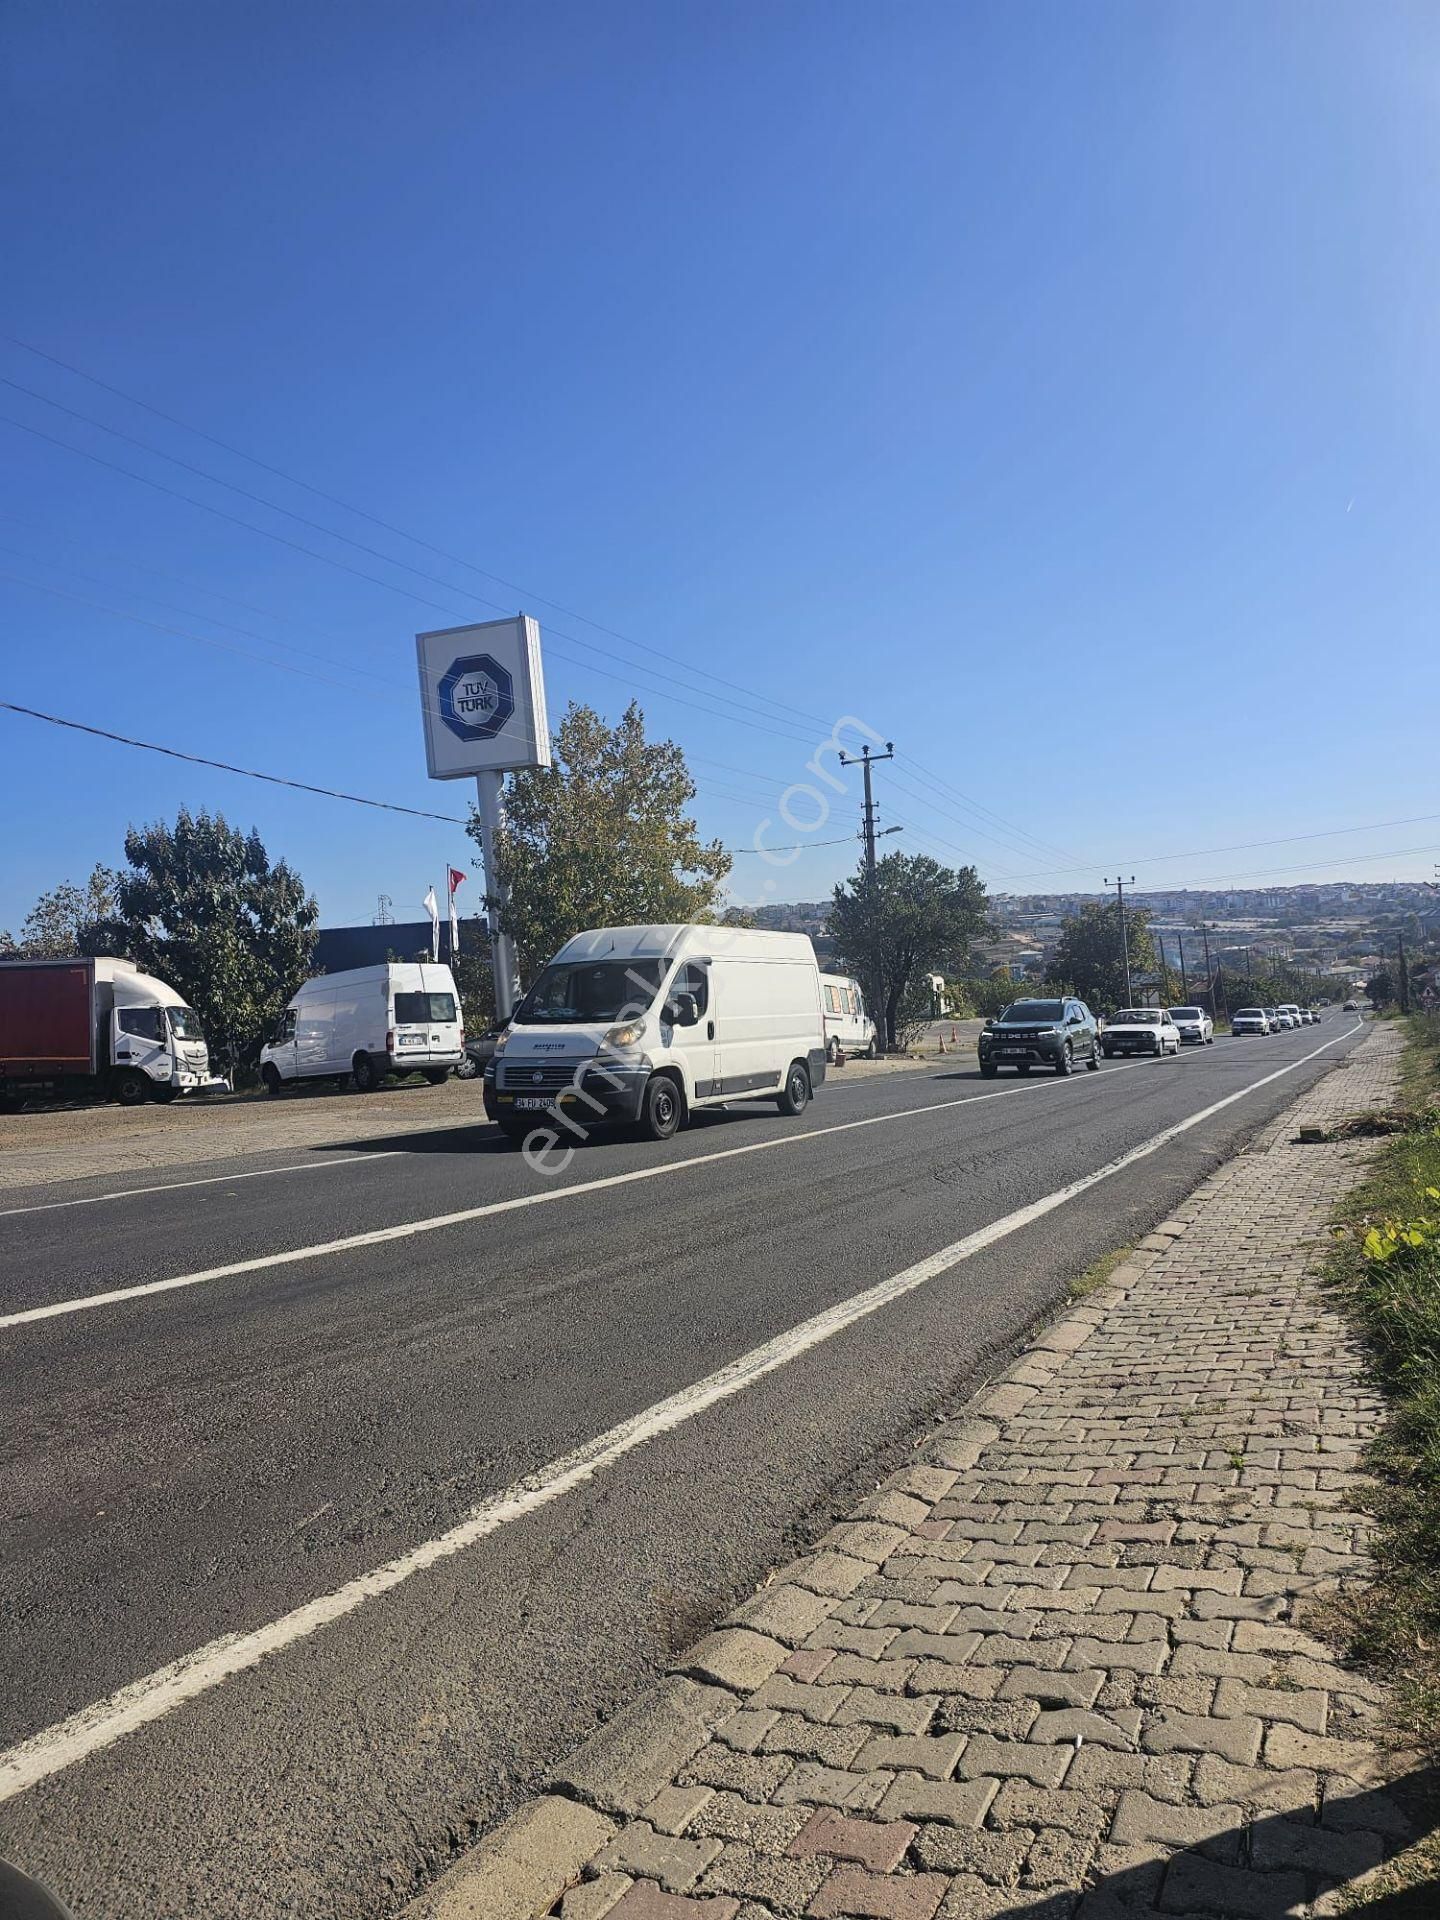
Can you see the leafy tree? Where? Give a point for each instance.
(205, 909)
(1090, 957)
(1380, 988)
(66, 921)
(602, 838)
(922, 920)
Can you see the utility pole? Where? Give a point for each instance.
(1404, 976)
(384, 917)
(1184, 977)
(877, 981)
(1120, 886)
(1249, 969)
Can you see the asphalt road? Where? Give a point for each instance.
(198, 1461)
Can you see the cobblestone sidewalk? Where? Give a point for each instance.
(1059, 1666)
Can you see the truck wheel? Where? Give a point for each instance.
(130, 1087)
(270, 1075)
(796, 1096)
(662, 1107)
(366, 1078)
(437, 1076)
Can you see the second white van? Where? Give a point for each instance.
(848, 1027)
(646, 1024)
(400, 1017)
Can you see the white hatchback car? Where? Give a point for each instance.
(1194, 1025)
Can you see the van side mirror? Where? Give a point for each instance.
(687, 1010)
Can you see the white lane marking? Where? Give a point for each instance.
(377, 1236)
(209, 1180)
(106, 1721)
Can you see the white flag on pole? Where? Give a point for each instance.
(432, 907)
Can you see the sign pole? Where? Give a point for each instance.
(488, 786)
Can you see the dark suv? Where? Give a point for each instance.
(1040, 1033)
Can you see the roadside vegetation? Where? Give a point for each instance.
(1386, 1269)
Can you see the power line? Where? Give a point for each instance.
(361, 546)
(749, 694)
(225, 766)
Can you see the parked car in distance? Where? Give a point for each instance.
(399, 1017)
(1040, 1033)
(1250, 1020)
(1314, 1013)
(479, 1052)
(1351, 1006)
(848, 1027)
(646, 1024)
(1278, 1022)
(1141, 1030)
(1194, 1025)
(1292, 1012)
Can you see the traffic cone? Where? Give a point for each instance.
(954, 1036)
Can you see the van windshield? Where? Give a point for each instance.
(588, 991)
(422, 1007)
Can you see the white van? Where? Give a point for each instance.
(402, 1017)
(648, 1023)
(847, 1025)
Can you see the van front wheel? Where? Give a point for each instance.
(796, 1096)
(269, 1073)
(662, 1107)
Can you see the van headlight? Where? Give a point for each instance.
(502, 1040)
(629, 1033)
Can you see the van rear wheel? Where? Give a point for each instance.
(366, 1078)
(796, 1096)
(437, 1076)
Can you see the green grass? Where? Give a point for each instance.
(1395, 1624)
(1098, 1272)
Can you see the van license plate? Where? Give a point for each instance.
(410, 1040)
(533, 1103)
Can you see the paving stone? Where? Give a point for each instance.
(593, 1899)
(992, 1856)
(809, 1740)
(673, 1808)
(675, 1862)
(1216, 1829)
(1312, 1849)
(810, 1702)
(1289, 1747)
(1142, 1656)
(782, 1883)
(725, 1816)
(756, 1776)
(870, 1540)
(1197, 1885)
(811, 1784)
(836, 1574)
(1057, 1859)
(852, 1891)
(1052, 1689)
(627, 1762)
(922, 1643)
(734, 1657)
(1018, 1804)
(1303, 1707)
(971, 1898)
(854, 1670)
(745, 1729)
(870, 1843)
(1010, 1719)
(1071, 1726)
(645, 1901)
(807, 1663)
(900, 1713)
(955, 1803)
(1257, 1788)
(1013, 1759)
(1237, 1739)
(934, 1755)
(784, 1612)
(936, 1676)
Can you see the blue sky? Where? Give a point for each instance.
(1052, 386)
